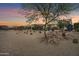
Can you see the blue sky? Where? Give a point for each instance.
(9, 5)
(10, 12)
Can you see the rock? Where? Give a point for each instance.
(75, 41)
(24, 32)
(63, 34)
(40, 32)
(31, 33)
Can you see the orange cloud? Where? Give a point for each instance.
(75, 19)
(9, 23)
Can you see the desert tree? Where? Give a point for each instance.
(48, 11)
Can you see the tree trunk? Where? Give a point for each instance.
(45, 33)
(63, 34)
(45, 29)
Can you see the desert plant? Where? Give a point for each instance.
(47, 11)
(40, 32)
(61, 25)
(75, 41)
(31, 33)
(76, 27)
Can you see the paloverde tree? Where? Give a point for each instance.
(48, 11)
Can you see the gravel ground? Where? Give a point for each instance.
(19, 43)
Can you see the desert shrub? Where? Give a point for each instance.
(24, 32)
(61, 24)
(75, 41)
(69, 27)
(63, 34)
(54, 28)
(37, 27)
(76, 27)
(31, 33)
(40, 32)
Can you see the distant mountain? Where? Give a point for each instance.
(4, 27)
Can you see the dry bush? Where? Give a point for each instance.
(40, 32)
(31, 33)
(55, 37)
(75, 41)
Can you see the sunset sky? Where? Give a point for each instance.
(9, 14)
